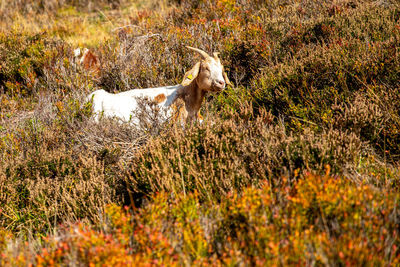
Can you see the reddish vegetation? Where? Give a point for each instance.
(295, 164)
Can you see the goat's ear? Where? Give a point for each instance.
(77, 52)
(227, 81)
(191, 74)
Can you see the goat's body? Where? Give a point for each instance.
(122, 105)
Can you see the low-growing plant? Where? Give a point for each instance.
(217, 157)
(317, 220)
(315, 91)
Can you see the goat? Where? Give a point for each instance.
(88, 60)
(207, 75)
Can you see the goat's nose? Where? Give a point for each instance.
(220, 83)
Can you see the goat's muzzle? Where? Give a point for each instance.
(218, 85)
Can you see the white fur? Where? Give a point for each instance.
(85, 51)
(216, 71)
(77, 52)
(123, 104)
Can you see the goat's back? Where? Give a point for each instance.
(123, 104)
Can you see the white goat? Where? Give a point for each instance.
(207, 75)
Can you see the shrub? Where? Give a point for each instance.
(224, 155)
(319, 220)
(316, 91)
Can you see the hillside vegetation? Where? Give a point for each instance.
(297, 163)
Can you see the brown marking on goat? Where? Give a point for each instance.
(160, 98)
(90, 62)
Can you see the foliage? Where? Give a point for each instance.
(297, 163)
(226, 155)
(320, 220)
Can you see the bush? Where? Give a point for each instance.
(315, 91)
(319, 220)
(225, 155)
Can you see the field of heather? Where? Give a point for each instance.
(297, 163)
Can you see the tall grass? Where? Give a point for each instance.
(296, 164)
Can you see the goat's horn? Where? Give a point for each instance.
(215, 54)
(201, 52)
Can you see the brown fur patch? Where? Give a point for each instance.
(160, 98)
(90, 61)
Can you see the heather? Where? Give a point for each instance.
(297, 163)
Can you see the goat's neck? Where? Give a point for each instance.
(193, 97)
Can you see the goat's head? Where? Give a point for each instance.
(209, 73)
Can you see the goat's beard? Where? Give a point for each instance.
(216, 88)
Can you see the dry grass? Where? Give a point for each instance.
(316, 91)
